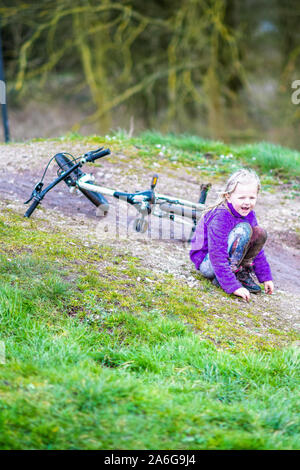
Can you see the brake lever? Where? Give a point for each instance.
(36, 191)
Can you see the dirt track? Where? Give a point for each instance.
(23, 166)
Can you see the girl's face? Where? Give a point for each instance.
(243, 198)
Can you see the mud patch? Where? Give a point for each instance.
(285, 265)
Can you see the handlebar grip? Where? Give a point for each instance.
(32, 208)
(95, 156)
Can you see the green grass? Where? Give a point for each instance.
(263, 156)
(212, 158)
(104, 362)
(272, 158)
(215, 159)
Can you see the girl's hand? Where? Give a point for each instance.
(243, 292)
(269, 287)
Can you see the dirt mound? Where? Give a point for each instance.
(24, 164)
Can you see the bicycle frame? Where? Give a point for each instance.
(145, 202)
(185, 208)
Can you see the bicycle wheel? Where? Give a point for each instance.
(140, 225)
(97, 199)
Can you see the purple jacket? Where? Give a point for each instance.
(211, 237)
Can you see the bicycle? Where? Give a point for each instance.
(146, 202)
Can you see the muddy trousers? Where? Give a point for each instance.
(244, 244)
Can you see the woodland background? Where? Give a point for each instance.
(222, 69)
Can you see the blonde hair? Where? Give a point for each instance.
(241, 176)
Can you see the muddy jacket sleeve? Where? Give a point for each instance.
(218, 232)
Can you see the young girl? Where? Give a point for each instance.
(227, 245)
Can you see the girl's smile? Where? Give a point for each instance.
(243, 198)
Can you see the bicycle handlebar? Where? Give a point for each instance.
(38, 195)
(95, 154)
(32, 208)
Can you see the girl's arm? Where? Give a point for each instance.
(262, 268)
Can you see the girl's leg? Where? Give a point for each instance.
(257, 241)
(238, 244)
(206, 268)
(248, 252)
(244, 244)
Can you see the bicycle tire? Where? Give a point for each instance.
(140, 225)
(96, 198)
